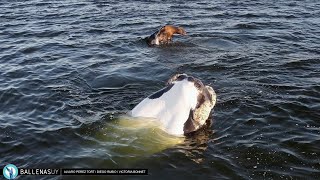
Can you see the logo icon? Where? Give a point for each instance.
(10, 171)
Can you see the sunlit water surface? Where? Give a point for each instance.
(70, 70)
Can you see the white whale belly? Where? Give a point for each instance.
(171, 109)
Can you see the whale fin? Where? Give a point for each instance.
(189, 125)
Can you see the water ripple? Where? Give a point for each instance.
(69, 70)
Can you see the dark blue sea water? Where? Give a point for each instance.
(68, 69)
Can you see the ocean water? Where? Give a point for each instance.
(69, 71)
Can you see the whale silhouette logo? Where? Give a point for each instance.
(10, 171)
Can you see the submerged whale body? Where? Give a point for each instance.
(182, 107)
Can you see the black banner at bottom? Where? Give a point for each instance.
(79, 172)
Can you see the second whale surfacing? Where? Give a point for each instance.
(164, 35)
(182, 107)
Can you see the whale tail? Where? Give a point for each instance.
(10, 172)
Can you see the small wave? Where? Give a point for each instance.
(245, 26)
